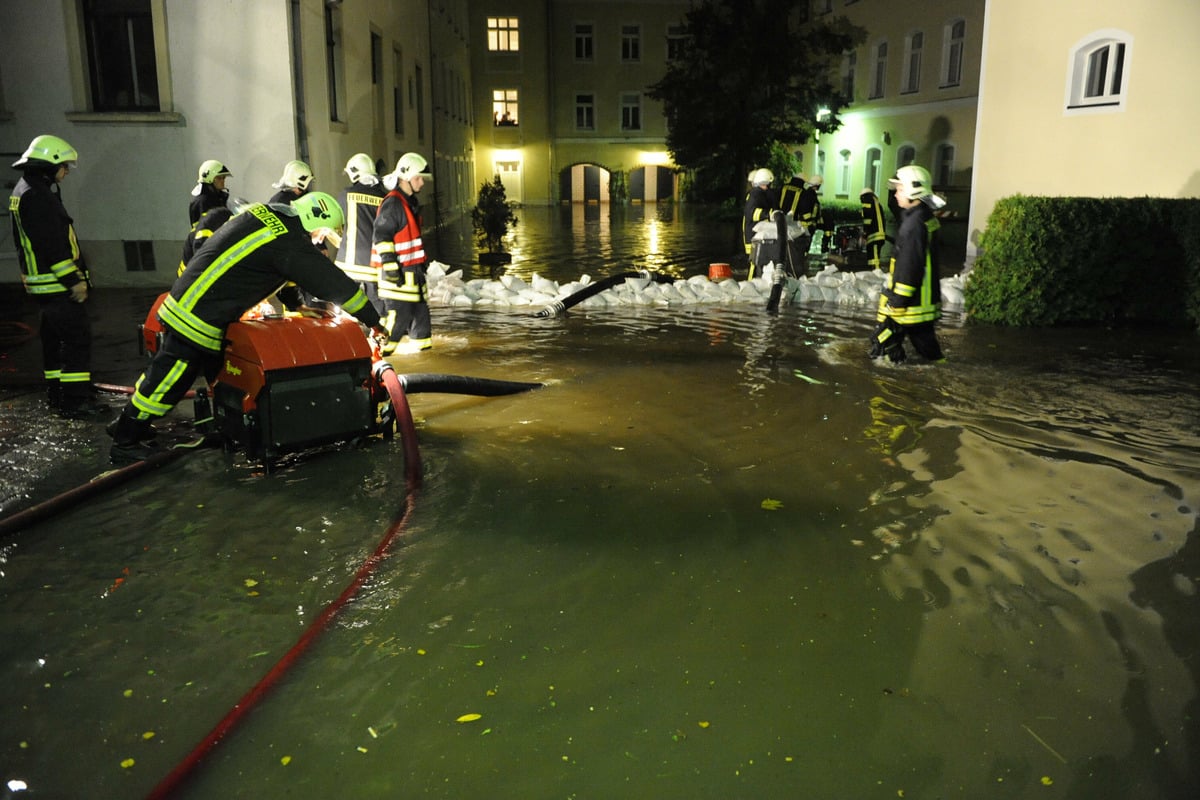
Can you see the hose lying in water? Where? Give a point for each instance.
(412, 473)
(593, 289)
(461, 384)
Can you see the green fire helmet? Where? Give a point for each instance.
(48, 149)
(319, 210)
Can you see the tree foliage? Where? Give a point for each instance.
(492, 216)
(749, 77)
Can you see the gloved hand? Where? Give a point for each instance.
(380, 335)
(79, 292)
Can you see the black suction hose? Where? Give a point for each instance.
(462, 384)
(591, 290)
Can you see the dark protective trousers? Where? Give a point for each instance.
(66, 333)
(888, 340)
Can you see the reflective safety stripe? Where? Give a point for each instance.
(180, 314)
(75, 377)
(51, 374)
(356, 302)
(153, 404)
(189, 326)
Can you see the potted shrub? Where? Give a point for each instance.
(491, 217)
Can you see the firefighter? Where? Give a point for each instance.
(789, 202)
(297, 179)
(54, 275)
(400, 256)
(760, 202)
(361, 201)
(910, 302)
(812, 216)
(873, 226)
(248, 259)
(209, 191)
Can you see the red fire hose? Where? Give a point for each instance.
(412, 473)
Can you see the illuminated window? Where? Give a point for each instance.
(912, 63)
(953, 36)
(879, 73)
(874, 167)
(631, 112)
(631, 42)
(585, 112)
(504, 107)
(843, 185)
(583, 41)
(503, 34)
(1099, 72)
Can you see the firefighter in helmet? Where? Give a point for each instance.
(910, 302)
(400, 252)
(54, 275)
(297, 178)
(361, 200)
(209, 191)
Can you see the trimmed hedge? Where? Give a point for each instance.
(1086, 260)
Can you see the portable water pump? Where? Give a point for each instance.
(288, 383)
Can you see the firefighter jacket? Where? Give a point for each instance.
(252, 256)
(399, 251)
(912, 293)
(44, 234)
(760, 203)
(809, 208)
(209, 198)
(789, 198)
(872, 218)
(361, 204)
(200, 233)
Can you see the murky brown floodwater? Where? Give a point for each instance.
(720, 555)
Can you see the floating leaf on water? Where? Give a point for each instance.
(128, 692)
(772, 505)
(250, 582)
(285, 760)
(361, 749)
(373, 732)
(148, 735)
(127, 763)
(703, 723)
(469, 717)
(1047, 780)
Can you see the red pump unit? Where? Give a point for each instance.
(288, 383)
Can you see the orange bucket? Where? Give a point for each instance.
(719, 272)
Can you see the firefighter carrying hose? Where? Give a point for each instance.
(252, 256)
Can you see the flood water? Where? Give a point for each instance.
(720, 554)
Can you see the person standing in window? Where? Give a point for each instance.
(361, 200)
(910, 302)
(401, 257)
(54, 275)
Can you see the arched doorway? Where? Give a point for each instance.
(584, 183)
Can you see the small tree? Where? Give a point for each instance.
(491, 216)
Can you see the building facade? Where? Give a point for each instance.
(146, 90)
(560, 98)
